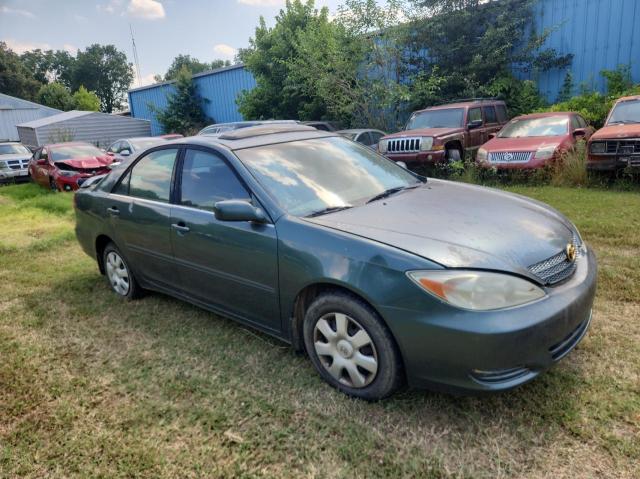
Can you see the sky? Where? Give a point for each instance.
(204, 29)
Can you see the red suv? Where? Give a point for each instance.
(64, 166)
(444, 133)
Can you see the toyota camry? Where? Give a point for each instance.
(382, 277)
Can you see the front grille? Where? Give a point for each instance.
(622, 147)
(561, 349)
(17, 164)
(557, 268)
(403, 145)
(510, 156)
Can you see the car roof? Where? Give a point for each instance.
(463, 104)
(546, 114)
(628, 98)
(356, 130)
(258, 136)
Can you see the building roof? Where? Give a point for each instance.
(67, 115)
(201, 74)
(8, 102)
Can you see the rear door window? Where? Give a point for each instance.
(207, 179)
(364, 138)
(501, 112)
(490, 115)
(151, 176)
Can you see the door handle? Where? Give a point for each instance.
(180, 227)
(113, 211)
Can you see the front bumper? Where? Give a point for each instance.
(419, 158)
(11, 174)
(467, 351)
(612, 162)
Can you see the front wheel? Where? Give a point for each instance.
(52, 185)
(351, 347)
(452, 155)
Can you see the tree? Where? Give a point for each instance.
(86, 100)
(56, 95)
(50, 66)
(271, 58)
(193, 65)
(15, 79)
(183, 113)
(105, 70)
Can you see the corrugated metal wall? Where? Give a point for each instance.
(99, 129)
(10, 118)
(601, 34)
(220, 88)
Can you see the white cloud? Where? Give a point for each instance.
(263, 3)
(144, 79)
(70, 48)
(147, 9)
(226, 52)
(80, 18)
(16, 11)
(110, 7)
(21, 47)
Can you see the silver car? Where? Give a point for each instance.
(367, 137)
(124, 148)
(14, 161)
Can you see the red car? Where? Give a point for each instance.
(532, 141)
(64, 166)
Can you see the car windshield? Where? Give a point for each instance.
(74, 151)
(14, 150)
(625, 112)
(311, 176)
(446, 118)
(528, 127)
(142, 144)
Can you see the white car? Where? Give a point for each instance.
(125, 147)
(14, 161)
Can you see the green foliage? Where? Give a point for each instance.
(593, 105)
(184, 112)
(56, 95)
(521, 96)
(193, 65)
(15, 78)
(50, 66)
(105, 70)
(86, 100)
(273, 56)
(566, 91)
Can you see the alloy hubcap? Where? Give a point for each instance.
(345, 350)
(117, 273)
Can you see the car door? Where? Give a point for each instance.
(140, 215)
(491, 124)
(475, 135)
(230, 266)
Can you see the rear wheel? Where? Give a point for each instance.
(351, 348)
(119, 274)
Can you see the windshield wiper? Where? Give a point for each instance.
(390, 191)
(329, 209)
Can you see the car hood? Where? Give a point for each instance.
(614, 132)
(88, 162)
(460, 226)
(436, 132)
(522, 144)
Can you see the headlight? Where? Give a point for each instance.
(545, 152)
(67, 173)
(3, 165)
(477, 290)
(382, 146)
(598, 147)
(426, 143)
(482, 155)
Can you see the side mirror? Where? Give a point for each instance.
(111, 153)
(579, 133)
(492, 135)
(474, 124)
(238, 210)
(402, 164)
(125, 152)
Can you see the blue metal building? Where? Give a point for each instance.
(219, 87)
(601, 35)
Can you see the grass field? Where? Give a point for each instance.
(91, 386)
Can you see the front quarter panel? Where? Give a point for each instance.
(312, 254)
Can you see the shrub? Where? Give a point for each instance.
(571, 168)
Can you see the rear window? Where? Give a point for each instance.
(490, 114)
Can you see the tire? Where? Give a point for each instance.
(367, 366)
(52, 185)
(452, 155)
(119, 274)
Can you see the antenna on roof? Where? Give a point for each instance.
(135, 56)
